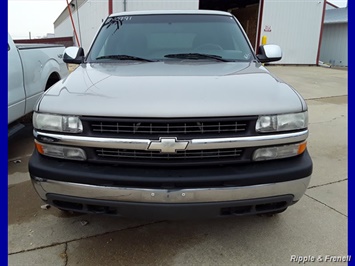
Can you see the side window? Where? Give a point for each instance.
(8, 47)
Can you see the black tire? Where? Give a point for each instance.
(53, 78)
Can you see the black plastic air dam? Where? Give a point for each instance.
(183, 177)
(169, 211)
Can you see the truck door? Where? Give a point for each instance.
(16, 91)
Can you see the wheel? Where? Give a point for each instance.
(209, 46)
(53, 78)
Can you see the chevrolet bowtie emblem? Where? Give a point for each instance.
(168, 145)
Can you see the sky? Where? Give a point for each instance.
(38, 16)
(35, 16)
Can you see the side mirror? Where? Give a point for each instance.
(269, 53)
(73, 55)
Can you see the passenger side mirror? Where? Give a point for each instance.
(73, 55)
(269, 53)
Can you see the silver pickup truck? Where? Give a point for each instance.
(171, 115)
(32, 68)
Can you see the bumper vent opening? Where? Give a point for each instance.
(271, 206)
(73, 206)
(101, 209)
(171, 211)
(254, 209)
(236, 210)
(68, 205)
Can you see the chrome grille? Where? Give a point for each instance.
(150, 128)
(170, 127)
(139, 155)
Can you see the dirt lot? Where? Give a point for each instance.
(315, 226)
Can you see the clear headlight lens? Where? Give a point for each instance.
(63, 152)
(279, 152)
(285, 122)
(60, 123)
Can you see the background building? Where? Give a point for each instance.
(295, 25)
(334, 49)
(330, 6)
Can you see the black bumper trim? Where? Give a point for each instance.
(155, 211)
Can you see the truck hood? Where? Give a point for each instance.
(171, 89)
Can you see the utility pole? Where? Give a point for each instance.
(29, 34)
(110, 4)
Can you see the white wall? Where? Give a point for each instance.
(91, 15)
(64, 29)
(295, 26)
(328, 6)
(133, 5)
(334, 49)
(138, 5)
(93, 12)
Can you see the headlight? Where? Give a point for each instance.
(285, 122)
(60, 123)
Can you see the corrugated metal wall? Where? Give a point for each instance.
(91, 15)
(118, 5)
(63, 29)
(161, 5)
(93, 12)
(138, 5)
(294, 25)
(334, 49)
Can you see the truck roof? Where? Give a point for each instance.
(171, 12)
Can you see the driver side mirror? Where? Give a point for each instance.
(73, 55)
(269, 53)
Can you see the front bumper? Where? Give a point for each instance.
(171, 193)
(296, 188)
(175, 204)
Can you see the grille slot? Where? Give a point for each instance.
(150, 128)
(140, 155)
(169, 127)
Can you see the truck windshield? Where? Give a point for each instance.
(170, 37)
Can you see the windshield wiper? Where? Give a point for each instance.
(123, 57)
(196, 56)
